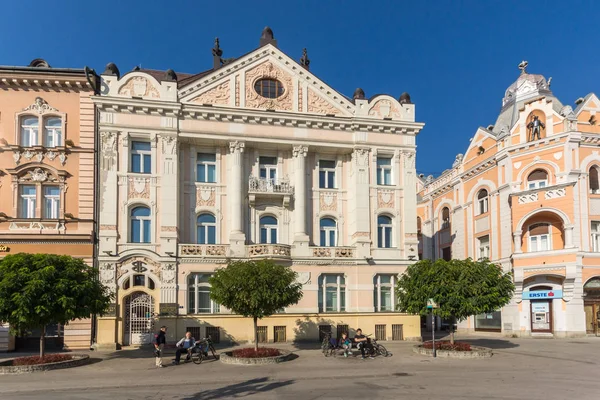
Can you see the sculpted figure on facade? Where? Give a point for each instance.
(140, 87)
(109, 151)
(535, 128)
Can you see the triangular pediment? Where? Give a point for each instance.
(234, 86)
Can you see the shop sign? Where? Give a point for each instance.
(4, 249)
(543, 295)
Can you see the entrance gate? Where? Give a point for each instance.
(139, 319)
(591, 292)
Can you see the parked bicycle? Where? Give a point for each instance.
(376, 348)
(329, 345)
(201, 348)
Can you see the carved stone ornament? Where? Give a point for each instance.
(236, 147)
(138, 188)
(385, 198)
(300, 151)
(28, 154)
(17, 157)
(268, 70)
(328, 201)
(51, 155)
(109, 151)
(409, 159)
(168, 273)
(140, 87)
(107, 273)
(384, 109)
(169, 144)
(217, 95)
(303, 278)
(62, 157)
(457, 160)
(38, 175)
(318, 105)
(237, 90)
(205, 196)
(361, 157)
(40, 106)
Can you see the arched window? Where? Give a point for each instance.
(268, 229)
(138, 280)
(482, 200)
(539, 237)
(52, 132)
(384, 232)
(206, 229)
(445, 218)
(140, 225)
(593, 178)
(328, 232)
(537, 179)
(29, 131)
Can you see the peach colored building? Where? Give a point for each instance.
(526, 195)
(47, 175)
(254, 158)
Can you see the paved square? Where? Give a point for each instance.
(520, 369)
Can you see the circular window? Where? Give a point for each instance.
(269, 88)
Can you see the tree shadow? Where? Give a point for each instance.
(307, 331)
(491, 343)
(247, 388)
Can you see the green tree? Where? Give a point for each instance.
(255, 289)
(461, 288)
(39, 289)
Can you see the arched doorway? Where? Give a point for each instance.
(591, 292)
(139, 319)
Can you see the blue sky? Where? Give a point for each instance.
(455, 58)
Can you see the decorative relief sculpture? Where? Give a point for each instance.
(300, 151)
(62, 157)
(328, 201)
(535, 127)
(303, 278)
(236, 147)
(268, 70)
(409, 160)
(138, 188)
(385, 198)
(140, 87)
(318, 105)
(360, 156)
(457, 160)
(300, 98)
(237, 90)
(169, 144)
(28, 154)
(384, 109)
(40, 106)
(17, 157)
(107, 273)
(38, 175)
(168, 274)
(205, 196)
(216, 95)
(109, 150)
(108, 227)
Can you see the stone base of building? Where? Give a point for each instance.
(522, 334)
(230, 329)
(77, 334)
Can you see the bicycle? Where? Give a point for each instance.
(200, 350)
(327, 346)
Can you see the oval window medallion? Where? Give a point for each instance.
(269, 88)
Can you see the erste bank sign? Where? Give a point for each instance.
(543, 295)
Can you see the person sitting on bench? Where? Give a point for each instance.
(183, 346)
(346, 344)
(361, 342)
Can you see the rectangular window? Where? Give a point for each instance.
(447, 253)
(206, 168)
(199, 301)
(268, 168)
(332, 293)
(51, 202)
(484, 247)
(141, 157)
(483, 205)
(539, 242)
(384, 292)
(596, 236)
(327, 174)
(53, 132)
(28, 201)
(384, 171)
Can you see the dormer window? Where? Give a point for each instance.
(269, 88)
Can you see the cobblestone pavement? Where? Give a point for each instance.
(529, 369)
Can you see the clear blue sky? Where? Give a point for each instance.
(455, 58)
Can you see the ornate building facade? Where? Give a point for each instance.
(254, 158)
(526, 195)
(47, 176)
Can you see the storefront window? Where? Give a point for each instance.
(489, 322)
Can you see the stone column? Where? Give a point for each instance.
(300, 237)
(235, 187)
(569, 236)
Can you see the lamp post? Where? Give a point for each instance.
(431, 305)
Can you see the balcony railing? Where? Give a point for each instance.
(204, 250)
(333, 252)
(549, 194)
(265, 185)
(275, 250)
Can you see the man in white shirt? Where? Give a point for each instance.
(183, 346)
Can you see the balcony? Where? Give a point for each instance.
(333, 252)
(548, 193)
(270, 188)
(204, 250)
(269, 250)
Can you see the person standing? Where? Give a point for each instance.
(159, 343)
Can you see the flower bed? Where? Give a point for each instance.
(251, 353)
(446, 345)
(49, 362)
(37, 360)
(248, 356)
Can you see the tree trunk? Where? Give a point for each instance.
(451, 330)
(43, 342)
(255, 334)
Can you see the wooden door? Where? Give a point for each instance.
(592, 318)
